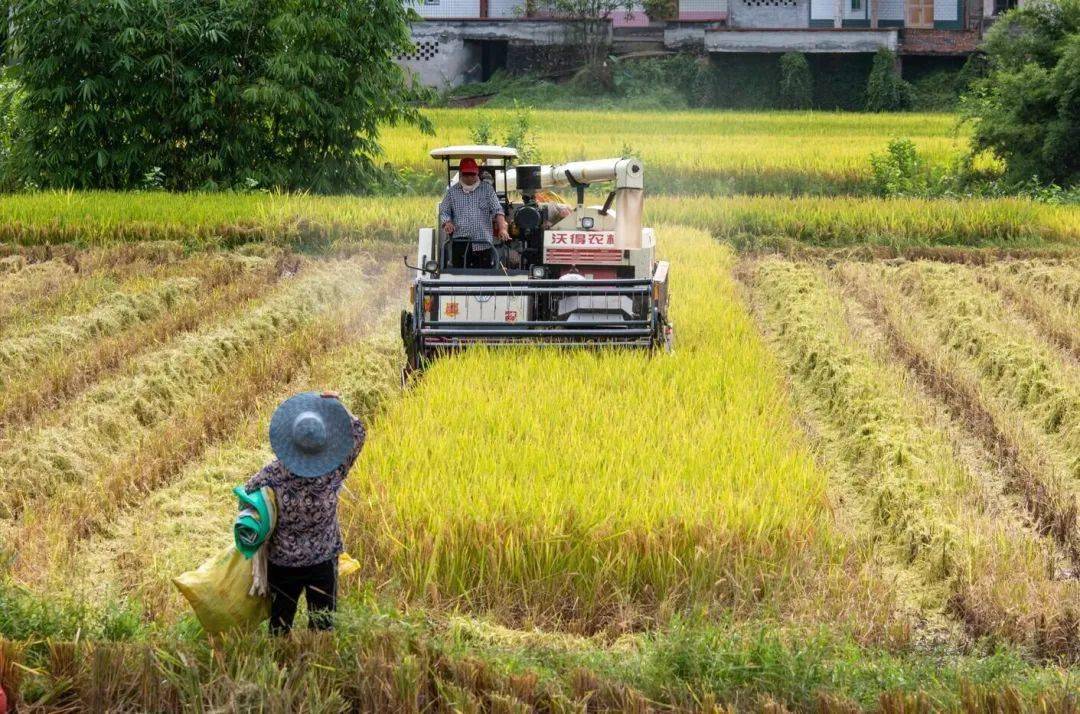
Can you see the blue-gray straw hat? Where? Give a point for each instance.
(311, 434)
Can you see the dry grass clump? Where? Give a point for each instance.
(107, 420)
(587, 489)
(906, 477)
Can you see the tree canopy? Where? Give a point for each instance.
(1027, 109)
(192, 94)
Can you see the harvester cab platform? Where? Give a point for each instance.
(570, 275)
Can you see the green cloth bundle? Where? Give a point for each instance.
(255, 522)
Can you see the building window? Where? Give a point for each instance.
(856, 4)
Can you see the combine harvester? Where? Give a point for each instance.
(570, 275)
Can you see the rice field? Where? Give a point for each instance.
(714, 152)
(855, 483)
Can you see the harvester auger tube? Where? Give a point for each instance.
(571, 275)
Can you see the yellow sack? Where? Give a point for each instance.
(347, 565)
(218, 592)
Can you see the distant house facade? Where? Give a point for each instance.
(468, 40)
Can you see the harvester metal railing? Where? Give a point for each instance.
(635, 330)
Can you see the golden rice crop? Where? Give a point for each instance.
(572, 486)
(898, 223)
(200, 220)
(905, 475)
(705, 151)
(106, 421)
(346, 223)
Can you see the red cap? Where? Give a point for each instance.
(468, 166)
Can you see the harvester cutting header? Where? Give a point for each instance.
(500, 269)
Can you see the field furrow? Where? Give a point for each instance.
(994, 573)
(1018, 366)
(234, 367)
(1048, 296)
(108, 418)
(1031, 468)
(68, 361)
(595, 489)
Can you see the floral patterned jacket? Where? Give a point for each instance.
(307, 530)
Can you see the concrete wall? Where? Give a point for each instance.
(769, 13)
(816, 41)
(442, 61)
(448, 51)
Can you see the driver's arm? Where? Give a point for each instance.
(498, 213)
(446, 213)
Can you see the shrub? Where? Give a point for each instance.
(898, 171)
(1027, 110)
(796, 84)
(245, 93)
(885, 90)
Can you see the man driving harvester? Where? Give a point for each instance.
(467, 211)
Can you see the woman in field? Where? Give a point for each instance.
(316, 441)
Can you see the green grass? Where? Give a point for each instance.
(381, 659)
(332, 223)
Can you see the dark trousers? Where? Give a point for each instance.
(318, 583)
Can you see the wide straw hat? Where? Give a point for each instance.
(311, 434)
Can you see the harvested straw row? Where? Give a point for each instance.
(1024, 458)
(116, 313)
(1047, 296)
(79, 279)
(105, 422)
(906, 477)
(1018, 366)
(226, 285)
(49, 532)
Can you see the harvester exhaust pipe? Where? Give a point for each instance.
(627, 173)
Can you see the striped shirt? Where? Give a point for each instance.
(471, 213)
